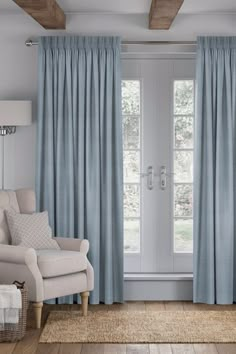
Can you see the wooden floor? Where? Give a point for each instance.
(30, 345)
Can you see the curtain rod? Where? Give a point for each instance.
(30, 42)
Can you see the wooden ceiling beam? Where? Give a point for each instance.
(46, 12)
(163, 12)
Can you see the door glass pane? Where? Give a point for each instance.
(183, 200)
(131, 200)
(183, 166)
(183, 96)
(131, 132)
(183, 132)
(131, 97)
(132, 235)
(131, 166)
(183, 230)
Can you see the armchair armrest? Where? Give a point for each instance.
(73, 244)
(20, 263)
(18, 255)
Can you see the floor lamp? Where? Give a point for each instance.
(13, 114)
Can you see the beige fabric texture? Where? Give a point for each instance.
(140, 327)
(26, 200)
(21, 262)
(75, 244)
(53, 263)
(90, 276)
(31, 230)
(18, 255)
(65, 285)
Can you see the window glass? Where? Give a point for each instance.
(183, 165)
(131, 165)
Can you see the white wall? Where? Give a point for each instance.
(18, 66)
(18, 80)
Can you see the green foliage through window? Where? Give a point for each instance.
(183, 165)
(131, 148)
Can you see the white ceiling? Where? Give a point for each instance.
(131, 6)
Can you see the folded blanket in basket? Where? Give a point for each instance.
(10, 304)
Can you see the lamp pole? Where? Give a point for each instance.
(4, 130)
(3, 164)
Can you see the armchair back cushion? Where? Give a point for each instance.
(20, 201)
(26, 200)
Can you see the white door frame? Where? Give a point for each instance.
(138, 266)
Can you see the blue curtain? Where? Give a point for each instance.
(79, 151)
(214, 176)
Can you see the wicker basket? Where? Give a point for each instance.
(13, 333)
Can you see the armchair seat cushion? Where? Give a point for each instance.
(53, 263)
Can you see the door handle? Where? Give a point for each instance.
(163, 177)
(150, 174)
(150, 177)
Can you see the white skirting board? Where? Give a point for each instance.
(158, 288)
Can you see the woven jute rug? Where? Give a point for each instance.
(140, 327)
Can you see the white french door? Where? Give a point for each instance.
(158, 121)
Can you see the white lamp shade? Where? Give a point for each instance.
(14, 113)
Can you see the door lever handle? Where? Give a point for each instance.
(163, 177)
(150, 174)
(150, 177)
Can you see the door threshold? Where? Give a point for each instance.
(157, 276)
(158, 287)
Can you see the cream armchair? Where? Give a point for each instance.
(47, 273)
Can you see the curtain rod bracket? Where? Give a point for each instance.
(30, 43)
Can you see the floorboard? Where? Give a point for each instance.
(182, 349)
(205, 349)
(137, 349)
(92, 349)
(173, 305)
(226, 348)
(136, 306)
(70, 348)
(114, 348)
(160, 349)
(119, 307)
(7, 348)
(155, 306)
(30, 344)
(48, 348)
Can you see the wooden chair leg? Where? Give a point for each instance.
(84, 298)
(38, 306)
